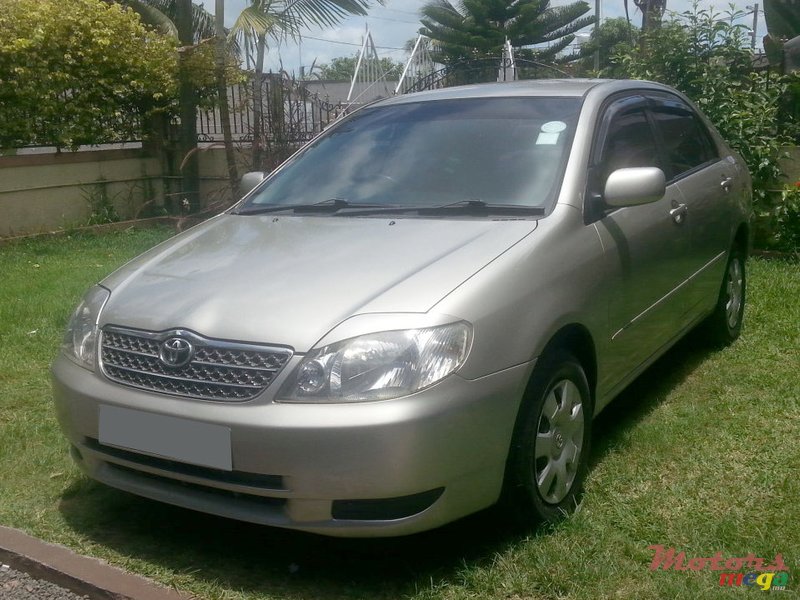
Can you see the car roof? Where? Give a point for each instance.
(575, 88)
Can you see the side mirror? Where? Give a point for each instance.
(634, 186)
(250, 181)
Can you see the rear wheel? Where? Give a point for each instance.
(550, 449)
(725, 323)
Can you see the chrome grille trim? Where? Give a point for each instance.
(219, 370)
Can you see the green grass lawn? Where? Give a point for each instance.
(702, 453)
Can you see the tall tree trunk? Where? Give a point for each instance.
(652, 12)
(258, 103)
(187, 98)
(222, 93)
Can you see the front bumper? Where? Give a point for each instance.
(427, 459)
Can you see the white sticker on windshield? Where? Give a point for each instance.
(554, 127)
(547, 139)
(550, 132)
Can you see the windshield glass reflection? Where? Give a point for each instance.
(498, 150)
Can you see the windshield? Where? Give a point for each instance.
(508, 151)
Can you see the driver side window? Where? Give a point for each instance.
(626, 139)
(629, 143)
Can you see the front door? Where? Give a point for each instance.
(647, 246)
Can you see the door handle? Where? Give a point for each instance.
(725, 183)
(678, 212)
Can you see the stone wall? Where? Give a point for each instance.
(44, 192)
(48, 192)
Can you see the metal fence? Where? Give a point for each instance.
(290, 114)
(485, 70)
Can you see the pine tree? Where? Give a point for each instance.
(474, 29)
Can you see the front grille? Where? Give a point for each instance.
(218, 370)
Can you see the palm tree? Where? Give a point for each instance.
(278, 20)
(470, 29)
(163, 15)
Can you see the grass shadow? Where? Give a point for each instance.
(234, 555)
(646, 393)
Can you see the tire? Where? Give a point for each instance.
(549, 453)
(724, 325)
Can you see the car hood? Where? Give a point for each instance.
(289, 280)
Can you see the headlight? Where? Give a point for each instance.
(80, 341)
(379, 366)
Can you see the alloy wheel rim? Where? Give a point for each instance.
(559, 441)
(735, 286)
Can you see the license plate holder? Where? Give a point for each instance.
(174, 438)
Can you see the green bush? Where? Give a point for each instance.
(787, 218)
(707, 56)
(76, 72)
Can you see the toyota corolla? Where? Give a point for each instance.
(416, 316)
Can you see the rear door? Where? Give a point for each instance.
(706, 181)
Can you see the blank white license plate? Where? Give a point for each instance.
(203, 444)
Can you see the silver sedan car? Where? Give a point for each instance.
(418, 315)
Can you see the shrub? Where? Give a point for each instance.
(78, 72)
(709, 59)
(787, 217)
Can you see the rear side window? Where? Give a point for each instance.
(686, 142)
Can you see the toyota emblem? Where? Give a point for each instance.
(176, 352)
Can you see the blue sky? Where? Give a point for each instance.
(396, 22)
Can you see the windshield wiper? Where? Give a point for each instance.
(331, 205)
(334, 205)
(479, 207)
(463, 207)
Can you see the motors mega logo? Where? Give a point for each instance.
(773, 576)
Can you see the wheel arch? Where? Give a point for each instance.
(576, 339)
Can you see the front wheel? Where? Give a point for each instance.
(549, 453)
(724, 325)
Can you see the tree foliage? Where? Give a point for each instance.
(78, 72)
(612, 38)
(281, 19)
(787, 218)
(163, 14)
(342, 68)
(472, 29)
(707, 56)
